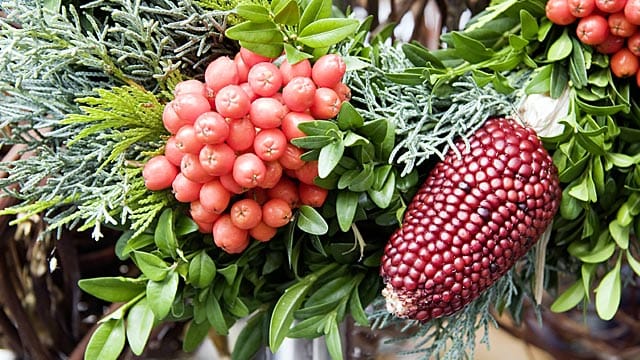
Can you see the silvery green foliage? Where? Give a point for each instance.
(53, 53)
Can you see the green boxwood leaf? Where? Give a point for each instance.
(349, 117)
(215, 315)
(420, 56)
(311, 222)
(160, 294)
(229, 273)
(287, 13)
(137, 243)
(313, 141)
(356, 310)
(270, 50)
(202, 270)
(330, 156)
(470, 49)
(570, 207)
(253, 12)
(165, 236)
(382, 198)
(309, 328)
(619, 160)
(540, 82)
(620, 234)
(185, 225)
(294, 55)
(251, 338)
(113, 289)
(334, 344)
(364, 180)
(608, 293)
(569, 299)
(315, 10)
(529, 25)
(326, 32)
(252, 32)
(282, 316)
(561, 48)
(151, 266)
(346, 205)
(140, 321)
(195, 334)
(633, 263)
(107, 342)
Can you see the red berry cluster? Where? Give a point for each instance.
(610, 26)
(230, 153)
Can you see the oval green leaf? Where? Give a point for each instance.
(569, 299)
(326, 32)
(253, 12)
(561, 48)
(282, 316)
(139, 324)
(311, 222)
(151, 266)
(165, 236)
(202, 270)
(330, 157)
(346, 205)
(160, 295)
(107, 342)
(608, 294)
(113, 289)
(252, 32)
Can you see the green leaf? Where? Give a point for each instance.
(185, 225)
(253, 12)
(561, 48)
(311, 222)
(250, 339)
(517, 42)
(578, 65)
(356, 310)
(287, 14)
(107, 342)
(633, 263)
(364, 180)
(137, 243)
(270, 50)
(309, 328)
(282, 316)
(151, 266)
(346, 205)
(620, 234)
(349, 117)
(599, 254)
(318, 127)
(113, 289)
(559, 80)
(330, 156)
(540, 82)
(252, 32)
(140, 321)
(315, 10)
(569, 299)
(334, 344)
(470, 49)
(326, 32)
(165, 236)
(313, 141)
(570, 207)
(160, 295)
(529, 25)
(294, 55)
(619, 160)
(608, 293)
(382, 198)
(420, 56)
(202, 270)
(215, 315)
(195, 334)
(229, 273)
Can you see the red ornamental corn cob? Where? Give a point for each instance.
(473, 218)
